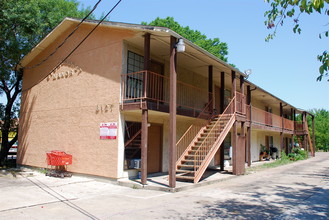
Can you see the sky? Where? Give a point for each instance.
(286, 66)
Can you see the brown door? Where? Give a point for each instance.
(154, 149)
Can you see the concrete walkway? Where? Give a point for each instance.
(295, 191)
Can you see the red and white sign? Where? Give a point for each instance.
(108, 130)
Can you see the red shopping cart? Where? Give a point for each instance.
(58, 161)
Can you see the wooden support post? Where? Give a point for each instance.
(242, 101)
(144, 141)
(305, 135)
(281, 133)
(172, 113)
(248, 138)
(221, 110)
(292, 114)
(144, 146)
(234, 135)
(292, 144)
(313, 136)
(222, 93)
(233, 85)
(210, 87)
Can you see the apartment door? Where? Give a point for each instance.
(154, 148)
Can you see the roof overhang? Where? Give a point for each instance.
(193, 50)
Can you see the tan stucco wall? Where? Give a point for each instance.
(63, 111)
(258, 138)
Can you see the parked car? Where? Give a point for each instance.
(12, 153)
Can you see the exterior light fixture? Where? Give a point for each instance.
(248, 72)
(180, 46)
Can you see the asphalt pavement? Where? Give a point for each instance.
(295, 191)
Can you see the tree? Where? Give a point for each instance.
(293, 9)
(321, 131)
(23, 23)
(213, 46)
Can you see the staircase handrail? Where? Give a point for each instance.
(131, 139)
(231, 105)
(194, 129)
(309, 139)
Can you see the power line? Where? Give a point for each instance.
(60, 63)
(56, 49)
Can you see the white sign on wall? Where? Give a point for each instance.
(108, 130)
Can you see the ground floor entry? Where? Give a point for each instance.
(133, 138)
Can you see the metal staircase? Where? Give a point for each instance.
(198, 155)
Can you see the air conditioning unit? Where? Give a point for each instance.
(135, 164)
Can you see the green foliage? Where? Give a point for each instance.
(23, 23)
(293, 9)
(298, 154)
(321, 128)
(213, 46)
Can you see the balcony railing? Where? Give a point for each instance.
(262, 117)
(299, 126)
(147, 85)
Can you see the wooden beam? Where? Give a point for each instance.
(221, 110)
(172, 114)
(313, 136)
(304, 129)
(210, 87)
(233, 84)
(248, 138)
(292, 142)
(222, 92)
(234, 135)
(282, 123)
(144, 141)
(144, 146)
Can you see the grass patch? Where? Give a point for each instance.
(285, 159)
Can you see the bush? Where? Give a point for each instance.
(297, 154)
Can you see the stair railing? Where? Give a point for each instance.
(192, 132)
(132, 131)
(212, 136)
(133, 138)
(309, 139)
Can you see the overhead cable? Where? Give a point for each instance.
(59, 46)
(85, 38)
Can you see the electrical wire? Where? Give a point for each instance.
(56, 49)
(83, 40)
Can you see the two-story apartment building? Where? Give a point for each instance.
(128, 100)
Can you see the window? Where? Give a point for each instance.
(135, 62)
(134, 87)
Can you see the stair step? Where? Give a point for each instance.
(192, 152)
(186, 166)
(185, 177)
(185, 171)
